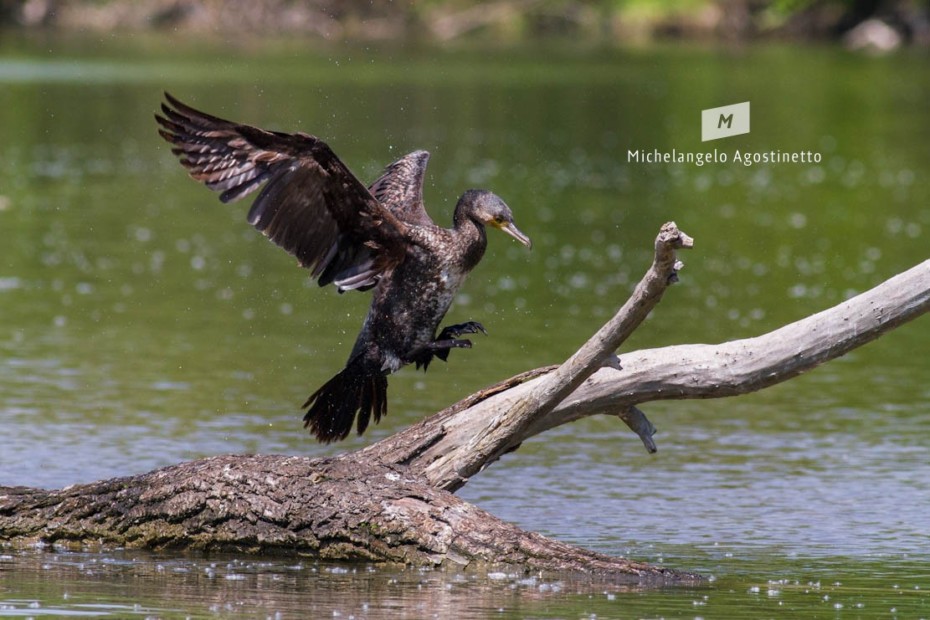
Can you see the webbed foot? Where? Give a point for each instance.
(447, 340)
(454, 331)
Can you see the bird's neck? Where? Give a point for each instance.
(472, 237)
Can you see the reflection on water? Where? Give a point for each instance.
(128, 585)
(144, 323)
(277, 589)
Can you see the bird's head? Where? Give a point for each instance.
(488, 209)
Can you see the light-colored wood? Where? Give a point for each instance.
(392, 501)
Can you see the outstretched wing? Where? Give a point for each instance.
(400, 188)
(312, 205)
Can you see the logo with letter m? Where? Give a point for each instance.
(724, 122)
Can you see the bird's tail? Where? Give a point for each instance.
(360, 389)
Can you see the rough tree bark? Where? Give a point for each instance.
(393, 502)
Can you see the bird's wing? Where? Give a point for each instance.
(312, 205)
(400, 188)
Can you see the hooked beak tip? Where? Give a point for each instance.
(514, 232)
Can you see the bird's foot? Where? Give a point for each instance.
(449, 339)
(441, 347)
(450, 332)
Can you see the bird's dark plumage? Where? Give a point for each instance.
(357, 238)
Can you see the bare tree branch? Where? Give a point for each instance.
(391, 501)
(676, 372)
(494, 439)
(750, 364)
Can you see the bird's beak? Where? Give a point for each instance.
(514, 232)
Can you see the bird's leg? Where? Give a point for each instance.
(448, 338)
(454, 331)
(441, 347)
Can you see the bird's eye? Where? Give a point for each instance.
(500, 219)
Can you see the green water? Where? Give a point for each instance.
(143, 323)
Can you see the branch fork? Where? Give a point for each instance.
(491, 442)
(392, 501)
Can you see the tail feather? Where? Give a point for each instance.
(332, 409)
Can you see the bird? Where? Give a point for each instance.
(377, 238)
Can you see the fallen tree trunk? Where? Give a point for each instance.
(334, 509)
(392, 501)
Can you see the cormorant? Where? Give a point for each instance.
(355, 237)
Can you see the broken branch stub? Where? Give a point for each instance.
(495, 438)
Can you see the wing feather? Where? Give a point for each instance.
(311, 204)
(400, 188)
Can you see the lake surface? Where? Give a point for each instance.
(143, 323)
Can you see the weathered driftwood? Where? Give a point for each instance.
(450, 452)
(338, 508)
(441, 447)
(391, 501)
